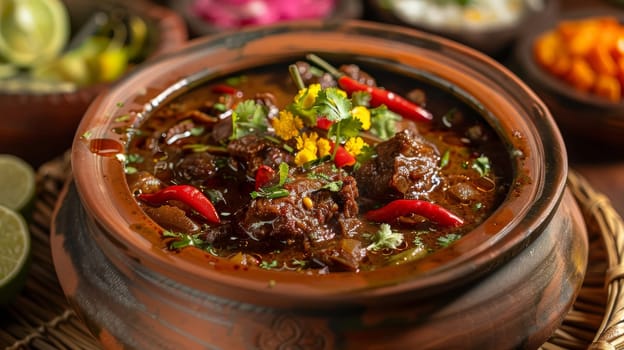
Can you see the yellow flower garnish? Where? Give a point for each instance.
(306, 97)
(354, 145)
(304, 156)
(307, 141)
(324, 147)
(286, 125)
(362, 114)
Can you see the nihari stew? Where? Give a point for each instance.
(311, 168)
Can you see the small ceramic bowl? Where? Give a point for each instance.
(198, 26)
(506, 284)
(38, 126)
(582, 117)
(494, 40)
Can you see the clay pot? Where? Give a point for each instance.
(506, 284)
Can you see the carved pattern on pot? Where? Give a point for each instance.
(289, 332)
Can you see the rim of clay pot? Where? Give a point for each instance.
(534, 144)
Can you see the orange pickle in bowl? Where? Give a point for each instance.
(587, 54)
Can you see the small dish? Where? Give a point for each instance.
(199, 26)
(581, 116)
(493, 39)
(40, 125)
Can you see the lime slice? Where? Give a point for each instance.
(17, 183)
(32, 31)
(14, 254)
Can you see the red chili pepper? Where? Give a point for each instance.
(264, 175)
(394, 102)
(225, 89)
(187, 194)
(323, 123)
(343, 158)
(404, 207)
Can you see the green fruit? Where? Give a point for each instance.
(14, 254)
(32, 31)
(7, 70)
(111, 64)
(138, 39)
(17, 183)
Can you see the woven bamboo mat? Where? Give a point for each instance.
(40, 317)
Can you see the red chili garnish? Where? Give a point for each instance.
(187, 194)
(264, 175)
(343, 158)
(394, 102)
(404, 207)
(225, 89)
(323, 123)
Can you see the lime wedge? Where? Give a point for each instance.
(32, 31)
(14, 254)
(17, 183)
(111, 64)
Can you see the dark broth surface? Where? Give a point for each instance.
(316, 220)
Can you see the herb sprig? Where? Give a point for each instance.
(386, 238)
(248, 117)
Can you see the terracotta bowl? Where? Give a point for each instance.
(506, 284)
(582, 117)
(40, 126)
(495, 40)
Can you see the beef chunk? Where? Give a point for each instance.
(406, 166)
(267, 100)
(179, 131)
(354, 72)
(200, 165)
(312, 212)
(343, 255)
(311, 76)
(252, 151)
(222, 130)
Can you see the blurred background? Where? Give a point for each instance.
(56, 56)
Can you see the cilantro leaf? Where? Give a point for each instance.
(183, 240)
(447, 240)
(361, 98)
(268, 264)
(333, 104)
(386, 238)
(333, 186)
(383, 122)
(482, 165)
(349, 127)
(248, 117)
